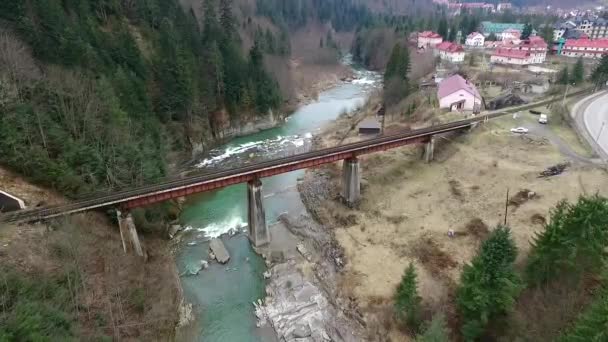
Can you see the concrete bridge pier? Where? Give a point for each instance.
(429, 150)
(351, 181)
(258, 230)
(128, 234)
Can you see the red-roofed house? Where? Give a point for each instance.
(585, 48)
(450, 52)
(529, 51)
(511, 56)
(537, 48)
(475, 39)
(428, 39)
(456, 93)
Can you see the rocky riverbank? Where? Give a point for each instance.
(301, 293)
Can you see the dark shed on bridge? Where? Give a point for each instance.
(370, 126)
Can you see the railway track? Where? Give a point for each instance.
(263, 169)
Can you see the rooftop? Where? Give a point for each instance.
(511, 53)
(491, 27)
(455, 83)
(450, 47)
(428, 34)
(587, 43)
(474, 34)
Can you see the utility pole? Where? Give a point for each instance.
(507, 206)
(565, 94)
(600, 133)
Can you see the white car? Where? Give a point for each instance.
(521, 130)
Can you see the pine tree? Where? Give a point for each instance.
(600, 74)
(489, 285)
(210, 22)
(226, 18)
(563, 77)
(442, 30)
(437, 331)
(592, 325)
(578, 72)
(525, 34)
(452, 34)
(407, 300)
(393, 63)
(572, 243)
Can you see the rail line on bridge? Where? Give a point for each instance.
(149, 194)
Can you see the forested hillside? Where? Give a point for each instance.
(97, 93)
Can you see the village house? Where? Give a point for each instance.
(530, 51)
(509, 34)
(587, 48)
(475, 39)
(456, 93)
(510, 56)
(428, 39)
(451, 52)
(537, 47)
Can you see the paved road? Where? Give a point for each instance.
(590, 114)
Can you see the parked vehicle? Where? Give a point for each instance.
(520, 130)
(543, 119)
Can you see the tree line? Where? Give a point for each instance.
(569, 250)
(95, 94)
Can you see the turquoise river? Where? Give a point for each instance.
(222, 295)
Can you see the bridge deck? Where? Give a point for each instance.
(198, 183)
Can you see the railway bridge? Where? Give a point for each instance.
(124, 200)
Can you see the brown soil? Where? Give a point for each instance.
(477, 228)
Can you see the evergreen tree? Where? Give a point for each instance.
(452, 34)
(489, 285)
(407, 300)
(600, 74)
(492, 37)
(578, 72)
(563, 77)
(525, 34)
(547, 34)
(396, 82)
(437, 331)
(210, 21)
(572, 243)
(592, 325)
(442, 29)
(226, 17)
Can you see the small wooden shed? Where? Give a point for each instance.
(370, 126)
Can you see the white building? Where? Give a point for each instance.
(509, 34)
(456, 93)
(510, 56)
(475, 39)
(428, 39)
(451, 52)
(586, 48)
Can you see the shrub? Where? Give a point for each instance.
(437, 331)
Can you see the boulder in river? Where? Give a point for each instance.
(218, 248)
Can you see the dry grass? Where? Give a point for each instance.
(408, 208)
(433, 257)
(121, 295)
